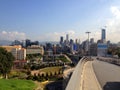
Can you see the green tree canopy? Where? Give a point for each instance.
(6, 61)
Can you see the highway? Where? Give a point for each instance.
(94, 75)
(107, 74)
(89, 80)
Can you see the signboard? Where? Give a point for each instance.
(102, 46)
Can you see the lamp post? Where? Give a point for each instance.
(88, 43)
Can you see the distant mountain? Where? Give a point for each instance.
(5, 42)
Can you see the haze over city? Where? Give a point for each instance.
(47, 20)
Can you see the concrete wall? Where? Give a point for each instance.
(75, 80)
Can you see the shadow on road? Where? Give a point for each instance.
(112, 86)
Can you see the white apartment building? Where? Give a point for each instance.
(18, 52)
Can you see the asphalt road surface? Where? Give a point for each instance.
(107, 74)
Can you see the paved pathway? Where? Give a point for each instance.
(89, 81)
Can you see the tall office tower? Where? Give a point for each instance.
(67, 37)
(103, 36)
(61, 40)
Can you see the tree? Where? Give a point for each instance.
(51, 74)
(118, 54)
(55, 73)
(47, 74)
(6, 62)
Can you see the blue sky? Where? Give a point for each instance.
(47, 20)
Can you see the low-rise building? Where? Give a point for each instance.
(18, 52)
(35, 49)
(19, 64)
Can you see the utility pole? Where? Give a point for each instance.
(88, 43)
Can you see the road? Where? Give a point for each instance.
(89, 81)
(107, 74)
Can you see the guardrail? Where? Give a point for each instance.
(75, 80)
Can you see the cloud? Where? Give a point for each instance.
(113, 25)
(71, 32)
(115, 11)
(55, 36)
(14, 35)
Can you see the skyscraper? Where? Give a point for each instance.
(103, 36)
(61, 40)
(67, 37)
(102, 45)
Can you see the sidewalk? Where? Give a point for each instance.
(89, 81)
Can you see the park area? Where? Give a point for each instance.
(16, 84)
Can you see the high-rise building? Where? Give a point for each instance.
(71, 41)
(28, 42)
(91, 40)
(67, 37)
(103, 36)
(61, 40)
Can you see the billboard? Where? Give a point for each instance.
(102, 46)
(102, 49)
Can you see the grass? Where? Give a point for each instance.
(15, 84)
(63, 59)
(16, 74)
(51, 69)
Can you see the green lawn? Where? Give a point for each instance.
(15, 84)
(63, 59)
(51, 69)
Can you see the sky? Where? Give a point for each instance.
(47, 20)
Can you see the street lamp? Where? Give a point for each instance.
(88, 43)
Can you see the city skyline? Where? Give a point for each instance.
(48, 20)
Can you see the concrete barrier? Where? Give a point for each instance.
(75, 80)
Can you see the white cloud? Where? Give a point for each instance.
(71, 32)
(55, 36)
(4, 35)
(115, 11)
(113, 25)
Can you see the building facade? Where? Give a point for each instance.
(102, 49)
(18, 52)
(103, 35)
(35, 50)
